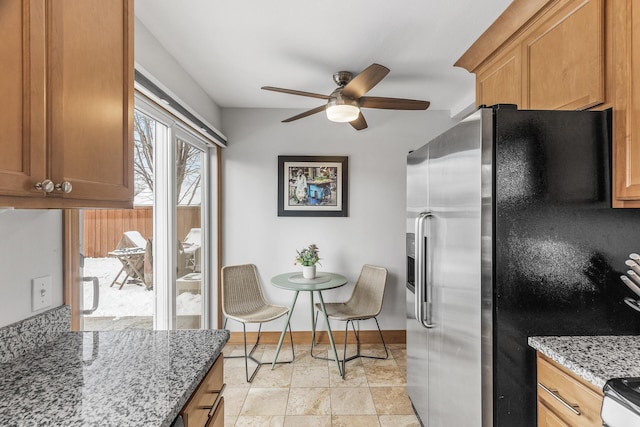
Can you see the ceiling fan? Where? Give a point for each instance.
(344, 103)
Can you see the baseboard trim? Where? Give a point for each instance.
(304, 337)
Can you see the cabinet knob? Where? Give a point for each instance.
(65, 187)
(47, 186)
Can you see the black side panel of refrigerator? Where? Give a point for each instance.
(559, 247)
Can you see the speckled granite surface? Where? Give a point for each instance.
(117, 378)
(22, 337)
(595, 359)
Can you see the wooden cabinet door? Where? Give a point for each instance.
(22, 110)
(565, 58)
(500, 81)
(568, 397)
(626, 111)
(547, 418)
(90, 100)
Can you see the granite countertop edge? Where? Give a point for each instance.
(194, 384)
(86, 370)
(596, 359)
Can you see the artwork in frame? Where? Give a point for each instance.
(313, 185)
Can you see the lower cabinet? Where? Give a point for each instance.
(205, 407)
(564, 399)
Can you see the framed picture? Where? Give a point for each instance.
(312, 185)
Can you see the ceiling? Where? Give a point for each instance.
(232, 48)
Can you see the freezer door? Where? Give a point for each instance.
(417, 177)
(454, 234)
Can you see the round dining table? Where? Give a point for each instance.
(323, 281)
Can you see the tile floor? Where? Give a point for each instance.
(310, 392)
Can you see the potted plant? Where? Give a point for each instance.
(308, 257)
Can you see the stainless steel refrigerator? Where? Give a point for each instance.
(509, 234)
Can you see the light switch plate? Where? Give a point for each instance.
(40, 293)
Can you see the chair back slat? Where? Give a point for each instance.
(368, 292)
(241, 290)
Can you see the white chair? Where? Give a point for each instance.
(365, 303)
(244, 302)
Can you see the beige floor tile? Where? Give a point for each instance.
(303, 355)
(399, 354)
(310, 392)
(265, 401)
(260, 421)
(378, 362)
(270, 352)
(229, 420)
(352, 401)
(307, 421)
(309, 401)
(279, 377)
(385, 374)
(376, 350)
(237, 352)
(399, 421)
(354, 421)
(236, 376)
(391, 400)
(403, 373)
(234, 399)
(235, 362)
(310, 376)
(354, 377)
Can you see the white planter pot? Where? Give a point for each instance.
(309, 272)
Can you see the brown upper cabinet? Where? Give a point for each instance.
(67, 113)
(568, 55)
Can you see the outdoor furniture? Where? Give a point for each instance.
(189, 283)
(191, 246)
(130, 252)
(243, 301)
(181, 269)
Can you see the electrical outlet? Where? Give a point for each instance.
(40, 293)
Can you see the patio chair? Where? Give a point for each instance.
(243, 301)
(181, 269)
(191, 246)
(130, 252)
(365, 303)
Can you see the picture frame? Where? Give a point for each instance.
(313, 186)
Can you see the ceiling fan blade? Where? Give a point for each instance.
(295, 92)
(359, 123)
(367, 79)
(305, 114)
(392, 103)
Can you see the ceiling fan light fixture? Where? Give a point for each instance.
(342, 109)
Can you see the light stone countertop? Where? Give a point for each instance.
(116, 378)
(593, 358)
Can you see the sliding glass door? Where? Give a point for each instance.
(148, 267)
(190, 177)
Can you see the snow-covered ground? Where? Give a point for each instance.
(131, 300)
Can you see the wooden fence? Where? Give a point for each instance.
(103, 228)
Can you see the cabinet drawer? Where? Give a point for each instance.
(217, 419)
(547, 418)
(199, 406)
(557, 385)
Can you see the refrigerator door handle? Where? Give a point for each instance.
(423, 284)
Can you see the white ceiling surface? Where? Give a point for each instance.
(232, 48)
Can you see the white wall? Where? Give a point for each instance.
(374, 231)
(157, 64)
(30, 247)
